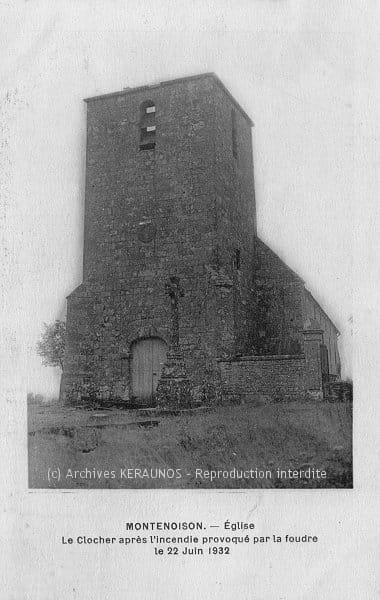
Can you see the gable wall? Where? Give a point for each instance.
(278, 315)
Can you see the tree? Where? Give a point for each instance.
(51, 346)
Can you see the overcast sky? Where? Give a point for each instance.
(291, 65)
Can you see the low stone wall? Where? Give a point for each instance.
(282, 377)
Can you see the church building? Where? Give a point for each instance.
(181, 303)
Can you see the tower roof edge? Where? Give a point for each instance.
(169, 82)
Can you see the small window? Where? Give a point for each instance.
(146, 108)
(147, 139)
(146, 132)
(147, 125)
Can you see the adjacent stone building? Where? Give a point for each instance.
(180, 300)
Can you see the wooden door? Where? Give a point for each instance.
(148, 357)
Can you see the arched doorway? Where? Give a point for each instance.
(148, 358)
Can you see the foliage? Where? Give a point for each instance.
(51, 346)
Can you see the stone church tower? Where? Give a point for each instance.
(170, 256)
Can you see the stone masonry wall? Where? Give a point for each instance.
(235, 212)
(163, 212)
(279, 377)
(182, 205)
(278, 305)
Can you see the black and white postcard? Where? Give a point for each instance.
(189, 282)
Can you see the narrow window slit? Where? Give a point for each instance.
(234, 134)
(147, 125)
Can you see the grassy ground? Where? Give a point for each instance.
(245, 437)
